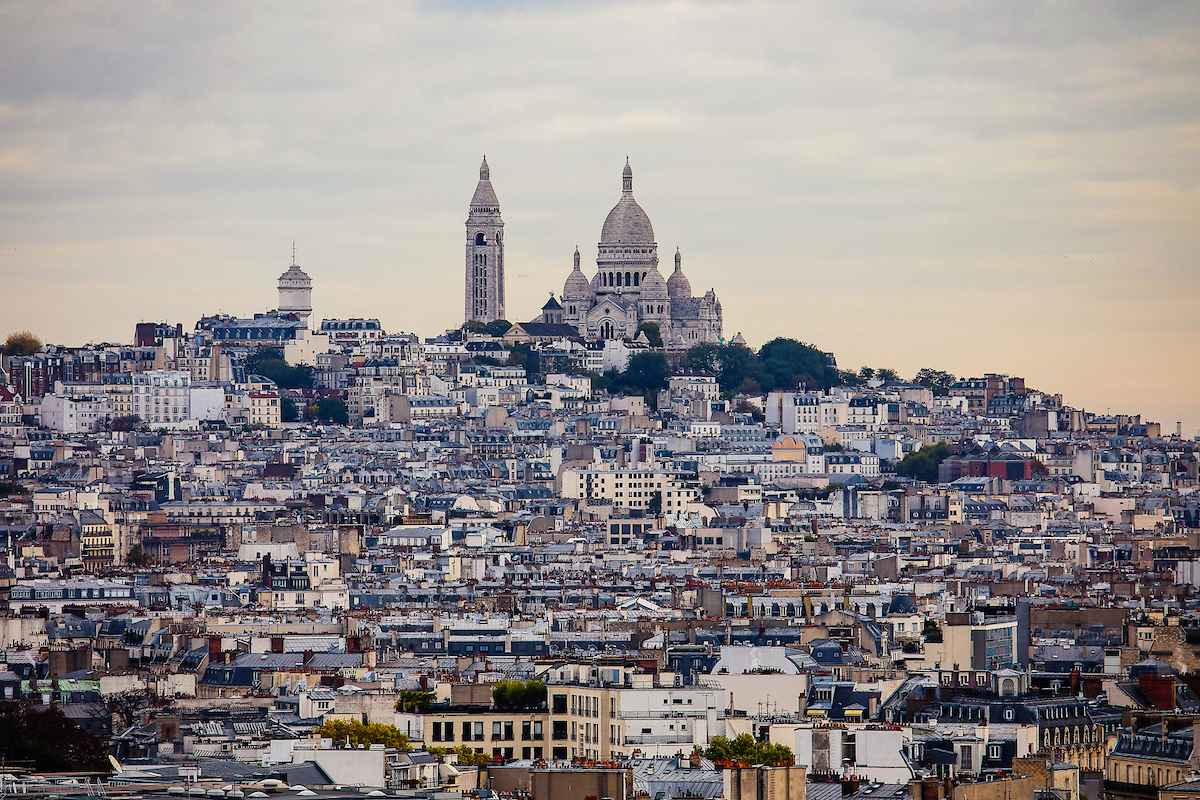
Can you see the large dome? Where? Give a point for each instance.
(627, 223)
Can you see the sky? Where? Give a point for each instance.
(975, 187)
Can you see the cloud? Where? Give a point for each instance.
(833, 170)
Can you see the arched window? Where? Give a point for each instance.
(637, 279)
(480, 238)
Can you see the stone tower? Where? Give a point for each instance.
(484, 294)
(295, 290)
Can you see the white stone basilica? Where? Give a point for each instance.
(628, 289)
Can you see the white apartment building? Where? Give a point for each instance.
(806, 412)
(162, 396)
(630, 488)
(73, 413)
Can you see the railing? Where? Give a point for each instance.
(668, 738)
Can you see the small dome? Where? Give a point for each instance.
(576, 286)
(678, 285)
(653, 286)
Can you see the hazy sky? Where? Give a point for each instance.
(1008, 187)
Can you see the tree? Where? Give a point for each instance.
(352, 734)
(923, 464)
(848, 377)
(126, 424)
(414, 700)
(287, 409)
(787, 363)
(497, 327)
(466, 756)
(936, 380)
(745, 749)
(331, 409)
(270, 364)
(866, 374)
(10, 488)
(887, 375)
(647, 373)
(704, 359)
(738, 366)
(474, 326)
(22, 343)
(517, 695)
(653, 334)
(45, 736)
(136, 556)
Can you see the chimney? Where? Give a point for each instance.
(266, 570)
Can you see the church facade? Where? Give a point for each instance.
(628, 289)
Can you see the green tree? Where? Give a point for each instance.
(745, 749)
(848, 377)
(353, 734)
(923, 464)
(136, 556)
(22, 343)
(936, 380)
(42, 734)
(518, 695)
(497, 327)
(653, 334)
(126, 423)
(288, 412)
(647, 373)
(738, 366)
(414, 700)
(269, 363)
(866, 374)
(887, 375)
(473, 326)
(704, 359)
(466, 756)
(331, 409)
(787, 363)
(10, 488)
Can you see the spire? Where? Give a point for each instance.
(678, 260)
(485, 174)
(576, 256)
(627, 178)
(293, 252)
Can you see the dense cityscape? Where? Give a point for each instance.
(613, 551)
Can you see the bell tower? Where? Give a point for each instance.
(484, 288)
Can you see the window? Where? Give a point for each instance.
(559, 731)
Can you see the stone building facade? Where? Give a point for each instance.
(628, 289)
(483, 298)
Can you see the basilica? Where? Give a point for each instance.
(626, 291)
